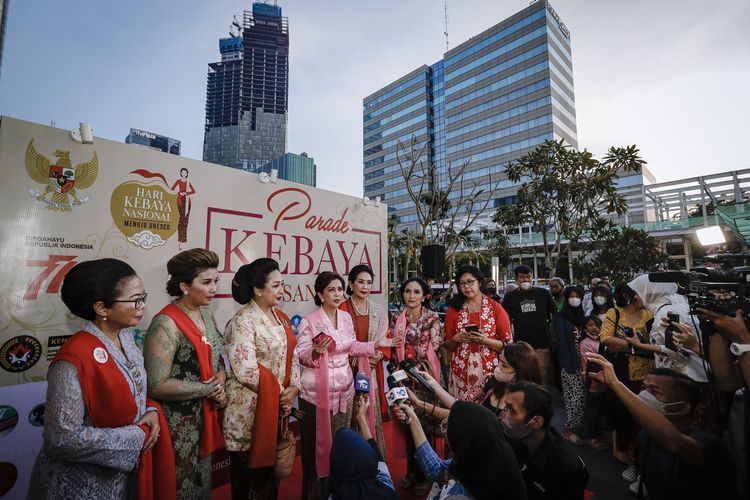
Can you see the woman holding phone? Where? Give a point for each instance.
(476, 330)
(325, 343)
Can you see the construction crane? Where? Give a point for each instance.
(445, 8)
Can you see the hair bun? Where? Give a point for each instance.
(245, 278)
(241, 289)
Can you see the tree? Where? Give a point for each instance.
(615, 255)
(564, 194)
(445, 211)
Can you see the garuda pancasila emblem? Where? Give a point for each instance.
(60, 179)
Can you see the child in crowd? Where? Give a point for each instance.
(592, 411)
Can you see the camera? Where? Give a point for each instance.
(720, 290)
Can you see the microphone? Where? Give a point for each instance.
(408, 366)
(361, 384)
(398, 375)
(396, 394)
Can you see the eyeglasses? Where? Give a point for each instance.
(139, 303)
(467, 283)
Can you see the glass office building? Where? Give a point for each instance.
(294, 168)
(247, 92)
(153, 141)
(488, 101)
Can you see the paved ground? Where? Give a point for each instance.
(605, 478)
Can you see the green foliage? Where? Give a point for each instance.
(564, 193)
(624, 252)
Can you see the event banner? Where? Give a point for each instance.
(63, 202)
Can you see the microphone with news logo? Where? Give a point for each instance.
(361, 384)
(397, 394)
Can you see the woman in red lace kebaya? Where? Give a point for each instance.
(476, 330)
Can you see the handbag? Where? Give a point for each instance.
(619, 360)
(286, 450)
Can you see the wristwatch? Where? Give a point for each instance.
(739, 349)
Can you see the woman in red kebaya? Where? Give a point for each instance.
(476, 330)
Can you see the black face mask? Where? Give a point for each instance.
(492, 290)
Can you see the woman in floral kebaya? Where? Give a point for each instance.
(476, 330)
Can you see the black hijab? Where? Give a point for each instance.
(484, 462)
(354, 469)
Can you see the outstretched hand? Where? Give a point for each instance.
(607, 374)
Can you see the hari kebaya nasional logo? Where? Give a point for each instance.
(60, 179)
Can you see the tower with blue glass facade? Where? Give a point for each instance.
(247, 92)
(489, 100)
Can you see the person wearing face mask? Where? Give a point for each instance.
(548, 466)
(677, 462)
(601, 302)
(530, 310)
(587, 298)
(568, 325)
(628, 319)
(490, 287)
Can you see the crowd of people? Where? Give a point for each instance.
(473, 396)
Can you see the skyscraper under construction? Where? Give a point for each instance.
(248, 90)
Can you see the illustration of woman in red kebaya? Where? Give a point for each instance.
(184, 190)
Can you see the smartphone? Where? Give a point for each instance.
(472, 328)
(320, 337)
(592, 367)
(668, 333)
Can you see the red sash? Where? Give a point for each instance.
(156, 473)
(211, 437)
(266, 425)
(110, 403)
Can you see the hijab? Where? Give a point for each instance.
(354, 469)
(660, 297)
(482, 455)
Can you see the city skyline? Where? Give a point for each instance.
(486, 103)
(666, 79)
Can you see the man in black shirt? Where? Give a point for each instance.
(676, 461)
(548, 466)
(530, 309)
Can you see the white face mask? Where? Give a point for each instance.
(574, 302)
(526, 286)
(677, 408)
(599, 300)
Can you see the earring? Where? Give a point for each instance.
(185, 292)
(104, 318)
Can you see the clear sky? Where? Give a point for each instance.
(671, 77)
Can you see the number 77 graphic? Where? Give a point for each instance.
(51, 266)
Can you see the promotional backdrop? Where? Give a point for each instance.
(62, 202)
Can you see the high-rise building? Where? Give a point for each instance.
(295, 168)
(153, 141)
(3, 20)
(488, 101)
(247, 92)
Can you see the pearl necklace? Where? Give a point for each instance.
(360, 313)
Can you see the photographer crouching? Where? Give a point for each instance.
(676, 461)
